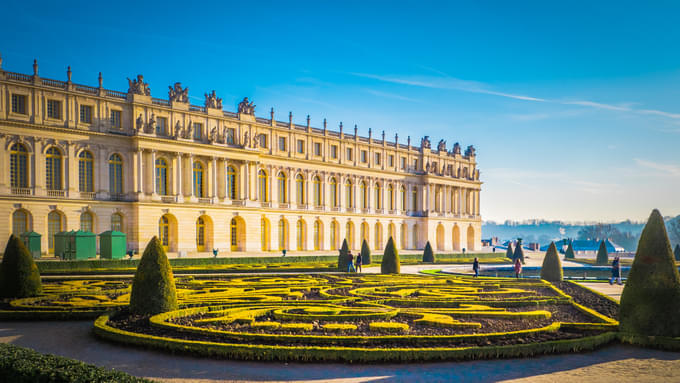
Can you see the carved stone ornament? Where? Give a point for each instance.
(177, 132)
(456, 148)
(425, 142)
(151, 126)
(213, 135)
(139, 124)
(246, 140)
(441, 146)
(212, 101)
(138, 86)
(470, 151)
(177, 94)
(246, 107)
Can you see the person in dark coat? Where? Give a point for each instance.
(518, 267)
(616, 271)
(357, 263)
(350, 264)
(475, 266)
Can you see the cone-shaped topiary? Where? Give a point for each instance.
(365, 253)
(570, 252)
(519, 253)
(677, 252)
(19, 276)
(153, 288)
(552, 265)
(602, 255)
(650, 302)
(509, 253)
(390, 260)
(428, 255)
(343, 258)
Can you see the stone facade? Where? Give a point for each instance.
(86, 157)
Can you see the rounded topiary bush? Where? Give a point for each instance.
(519, 253)
(650, 302)
(552, 265)
(390, 261)
(602, 255)
(428, 254)
(153, 288)
(19, 276)
(509, 253)
(365, 253)
(343, 257)
(677, 252)
(570, 251)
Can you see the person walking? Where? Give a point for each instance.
(518, 267)
(616, 271)
(350, 264)
(358, 263)
(475, 266)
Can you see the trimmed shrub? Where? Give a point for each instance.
(509, 253)
(343, 258)
(677, 252)
(390, 260)
(519, 253)
(153, 287)
(570, 251)
(650, 302)
(552, 265)
(19, 276)
(602, 255)
(428, 255)
(365, 253)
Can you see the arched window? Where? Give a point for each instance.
(53, 169)
(299, 189)
(402, 197)
(86, 222)
(19, 222)
(54, 226)
(390, 197)
(391, 232)
(115, 175)
(378, 196)
(350, 234)
(283, 234)
(378, 236)
(414, 199)
(263, 182)
(282, 182)
(349, 195)
(199, 180)
(231, 182)
(85, 172)
(164, 231)
(316, 184)
(317, 235)
(363, 195)
(161, 176)
(300, 235)
(117, 222)
(334, 193)
(334, 235)
(200, 234)
(364, 232)
(18, 158)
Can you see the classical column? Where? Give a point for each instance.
(150, 175)
(190, 177)
(214, 178)
(478, 203)
(71, 173)
(178, 177)
(102, 173)
(307, 181)
(427, 205)
(139, 169)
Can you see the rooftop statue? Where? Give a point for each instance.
(212, 101)
(246, 107)
(425, 142)
(441, 146)
(470, 151)
(456, 148)
(177, 94)
(138, 86)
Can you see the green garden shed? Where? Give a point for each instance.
(61, 244)
(32, 241)
(112, 245)
(83, 245)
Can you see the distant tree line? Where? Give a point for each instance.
(601, 231)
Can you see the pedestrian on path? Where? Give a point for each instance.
(358, 262)
(518, 267)
(475, 267)
(350, 264)
(616, 271)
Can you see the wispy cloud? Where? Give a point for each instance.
(597, 105)
(659, 113)
(391, 95)
(672, 170)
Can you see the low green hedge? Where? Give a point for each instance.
(19, 365)
(659, 342)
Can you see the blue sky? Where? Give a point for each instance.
(573, 107)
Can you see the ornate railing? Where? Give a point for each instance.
(88, 195)
(56, 193)
(238, 202)
(284, 205)
(18, 77)
(117, 196)
(115, 93)
(319, 208)
(22, 191)
(54, 83)
(168, 198)
(230, 114)
(196, 108)
(302, 206)
(160, 101)
(266, 204)
(205, 200)
(86, 89)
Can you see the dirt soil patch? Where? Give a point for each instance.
(589, 299)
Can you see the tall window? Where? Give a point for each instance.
(19, 222)
(164, 231)
(300, 189)
(363, 195)
(115, 174)
(116, 118)
(85, 171)
(86, 222)
(200, 234)
(231, 182)
(316, 184)
(283, 234)
(263, 192)
(86, 114)
(162, 126)
(117, 222)
(378, 196)
(414, 235)
(414, 198)
(198, 131)
(19, 104)
(53, 169)
(378, 236)
(54, 226)
(233, 229)
(349, 195)
(364, 232)
(282, 182)
(161, 176)
(438, 199)
(390, 197)
(350, 234)
(18, 159)
(300, 235)
(199, 183)
(317, 235)
(334, 193)
(334, 235)
(264, 234)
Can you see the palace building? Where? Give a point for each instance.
(78, 157)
